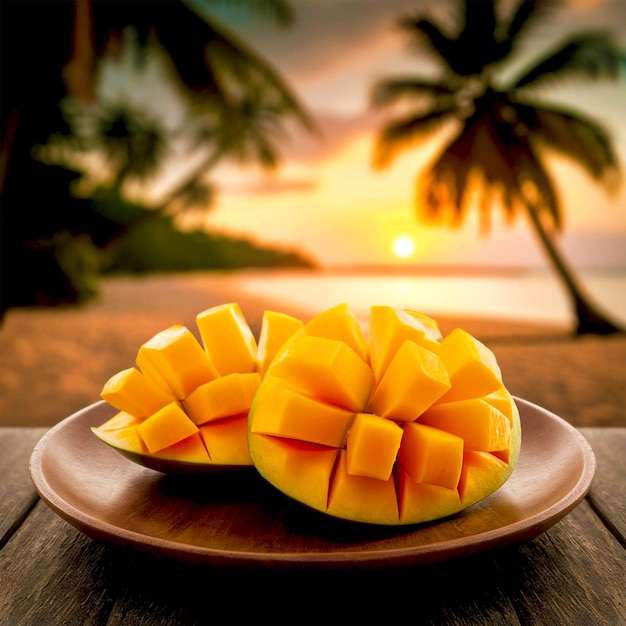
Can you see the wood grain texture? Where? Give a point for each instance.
(17, 494)
(52, 574)
(610, 450)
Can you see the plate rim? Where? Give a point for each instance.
(513, 533)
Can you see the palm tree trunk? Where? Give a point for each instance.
(589, 319)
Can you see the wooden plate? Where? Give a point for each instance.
(237, 519)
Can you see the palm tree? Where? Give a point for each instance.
(52, 52)
(251, 135)
(503, 133)
(133, 144)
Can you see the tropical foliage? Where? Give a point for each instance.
(54, 121)
(501, 130)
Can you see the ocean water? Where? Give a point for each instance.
(519, 295)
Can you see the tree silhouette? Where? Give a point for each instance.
(50, 57)
(503, 131)
(134, 145)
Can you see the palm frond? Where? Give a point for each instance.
(588, 55)
(478, 26)
(528, 13)
(209, 61)
(501, 163)
(391, 91)
(447, 182)
(575, 136)
(279, 12)
(226, 52)
(476, 157)
(427, 37)
(401, 134)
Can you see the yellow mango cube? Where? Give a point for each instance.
(390, 327)
(413, 381)
(120, 420)
(471, 366)
(432, 501)
(482, 473)
(227, 339)
(166, 427)
(175, 359)
(502, 400)
(430, 455)
(477, 422)
(125, 438)
(330, 370)
(432, 332)
(227, 441)
(285, 413)
(351, 496)
(341, 324)
(298, 465)
(372, 446)
(132, 391)
(225, 396)
(188, 450)
(276, 328)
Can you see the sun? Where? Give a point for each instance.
(403, 246)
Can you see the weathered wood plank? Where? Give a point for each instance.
(17, 494)
(51, 574)
(607, 490)
(573, 574)
(55, 575)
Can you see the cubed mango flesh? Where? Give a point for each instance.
(175, 359)
(225, 396)
(329, 369)
(432, 501)
(393, 425)
(122, 419)
(284, 412)
(477, 422)
(226, 441)
(227, 339)
(302, 469)
(173, 366)
(191, 449)
(413, 381)
(341, 324)
(125, 438)
(472, 367)
(353, 497)
(430, 455)
(166, 427)
(276, 329)
(372, 446)
(132, 391)
(480, 475)
(417, 452)
(390, 327)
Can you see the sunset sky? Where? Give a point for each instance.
(326, 199)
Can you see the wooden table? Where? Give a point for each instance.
(52, 574)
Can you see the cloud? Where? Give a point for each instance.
(325, 35)
(336, 131)
(272, 186)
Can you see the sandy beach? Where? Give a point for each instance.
(54, 362)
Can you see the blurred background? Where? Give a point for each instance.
(460, 158)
